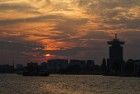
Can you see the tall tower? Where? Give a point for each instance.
(115, 54)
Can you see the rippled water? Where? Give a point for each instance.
(68, 84)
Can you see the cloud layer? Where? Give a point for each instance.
(30, 29)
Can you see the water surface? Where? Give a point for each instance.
(68, 84)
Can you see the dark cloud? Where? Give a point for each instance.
(64, 29)
(97, 35)
(20, 50)
(106, 4)
(115, 12)
(30, 19)
(92, 45)
(123, 23)
(96, 52)
(18, 7)
(114, 6)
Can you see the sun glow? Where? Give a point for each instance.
(48, 55)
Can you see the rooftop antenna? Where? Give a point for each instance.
(116, 35)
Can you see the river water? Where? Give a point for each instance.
(68, 84)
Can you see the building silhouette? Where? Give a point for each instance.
(115, 61)
(6, 69)
(132, 67)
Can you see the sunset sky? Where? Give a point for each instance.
(37, 30)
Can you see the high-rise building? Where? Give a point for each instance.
(115, 60)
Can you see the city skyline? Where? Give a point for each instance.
(37, 30)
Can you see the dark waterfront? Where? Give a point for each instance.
(68, 84)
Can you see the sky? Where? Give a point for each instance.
(38, 30)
